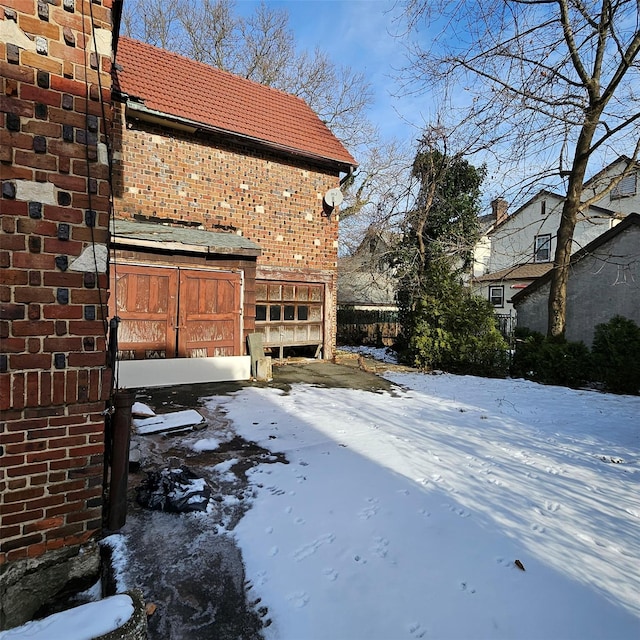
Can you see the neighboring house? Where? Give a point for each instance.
(224, 224)
(523, 244)
(367, 308)
(55, 59)
(364, 282)
(482, 249)
(604, 281)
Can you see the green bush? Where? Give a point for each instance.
(616, 355)
(551, 360)
(458, 335)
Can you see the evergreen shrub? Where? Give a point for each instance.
(616, 355)
(551, 360)
(458, 334)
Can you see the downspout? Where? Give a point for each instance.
(349, 174)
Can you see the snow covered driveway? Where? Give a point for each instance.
(402, 515)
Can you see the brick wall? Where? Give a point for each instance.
(53, 291)
(274, 201)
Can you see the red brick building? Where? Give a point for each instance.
(55, 61)
(223, 184)
(222, 229)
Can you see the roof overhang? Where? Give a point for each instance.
(138, 110)
(154, 236)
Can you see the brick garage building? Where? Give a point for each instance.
(205, 152)
(55, 110)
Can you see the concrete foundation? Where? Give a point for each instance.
(27, 585)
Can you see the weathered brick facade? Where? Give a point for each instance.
(272, 199)
(56, 91)
(274, 202)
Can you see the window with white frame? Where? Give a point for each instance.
(496, 296)
(625, 188)
(542, 248)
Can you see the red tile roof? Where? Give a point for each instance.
(177, 86)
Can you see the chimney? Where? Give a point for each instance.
(499, 208)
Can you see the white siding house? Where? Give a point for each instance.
(523, 244)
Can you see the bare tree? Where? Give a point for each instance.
(549, 84)
(153, 21)
(260, 47)
(378, 194)
(211, 33)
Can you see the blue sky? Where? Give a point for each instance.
(357, 33)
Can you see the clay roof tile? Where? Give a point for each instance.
(171, 84)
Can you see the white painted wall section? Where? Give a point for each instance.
(133, 374)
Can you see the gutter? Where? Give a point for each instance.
(193, 127)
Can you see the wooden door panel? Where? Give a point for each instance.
(146, 301)
(209, 315)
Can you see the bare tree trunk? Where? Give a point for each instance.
(557, 304)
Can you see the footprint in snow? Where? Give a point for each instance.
(415, 630)
(466, 588)
(309, 549)
(551, 506)
(273, 551)
(463, 513)
(299, 520)
(261, 578)
(380, 546)
(298, 599)
(330, 574)
(370, 511)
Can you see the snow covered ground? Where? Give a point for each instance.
(453, 508)
(402, 515)
(85, 622)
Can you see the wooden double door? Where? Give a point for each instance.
(169, 312)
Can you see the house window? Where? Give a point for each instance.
(543, 207)
(496, 296)
(542, 248)
(261, 312)
(625, 188)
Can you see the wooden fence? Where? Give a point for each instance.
(367, 327)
